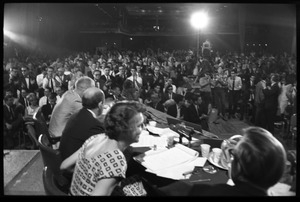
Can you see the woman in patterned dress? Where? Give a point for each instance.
(100, 163)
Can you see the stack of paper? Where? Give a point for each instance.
(146, 140)
(159, 161)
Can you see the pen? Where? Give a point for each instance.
(201, 180)
(187, 173)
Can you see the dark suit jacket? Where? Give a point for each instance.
(271, 97)
(181, 188)
(47, 110)
(160, 81)
(32, 87)
(166, 96)
(119, 81)
(103, 81)
(172, 110)
(78, 129)
(192, 115)
(159, 106)
(16, 120)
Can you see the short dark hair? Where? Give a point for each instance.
(177, 98)
(52, 96)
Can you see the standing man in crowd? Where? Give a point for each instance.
(271, 93)
(28, 81)
(259, 102)
(234, 86)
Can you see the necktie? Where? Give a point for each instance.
(170, 95)
(26, 103)
(11, 112)
(233, 83)
(51, 84)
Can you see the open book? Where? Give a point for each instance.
(157, 161)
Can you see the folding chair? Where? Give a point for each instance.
(42, 128)
(52, 160)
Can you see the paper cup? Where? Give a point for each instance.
(152, 123)
(216, 154)
(205, 148)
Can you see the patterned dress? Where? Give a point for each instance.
(89, 170)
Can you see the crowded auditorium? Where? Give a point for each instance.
(150, 99)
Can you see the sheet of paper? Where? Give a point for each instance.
(167, 159)
(147, 140)
(176, 172)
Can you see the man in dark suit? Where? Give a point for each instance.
(23, 100)
(120, 77)
(28, 81)
(158, 78)
(168, 94)
(84, 123)
(271, 93)
(156, 102)
(106, 81)
(96, 78)
(197, 111)
(178, 109)
(12, 121)
(48, 108)
(259, 101)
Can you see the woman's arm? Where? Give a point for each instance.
(105, 187)
(70, 161)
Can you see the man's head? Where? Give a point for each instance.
(24, 71)
(14, 71)
(9, 100)
(60, 71)
(50, 71)
(106, 70)
(52, 99)
(83, 83)
(47, 91)
(97, 74)
(93, 98)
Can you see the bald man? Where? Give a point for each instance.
(84, 123)
(70, 103)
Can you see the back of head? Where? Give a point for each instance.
(117, 119)
(177, 98)
(83, 83)
(91, 97)
(259, 158)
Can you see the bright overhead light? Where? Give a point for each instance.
(199, 20)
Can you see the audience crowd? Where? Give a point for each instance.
(259, 88)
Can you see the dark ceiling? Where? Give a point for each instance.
(224, 16)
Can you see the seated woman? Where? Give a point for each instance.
(257, 163)
(100, 163)
(32, 108)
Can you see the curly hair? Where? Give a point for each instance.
(116, 121)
